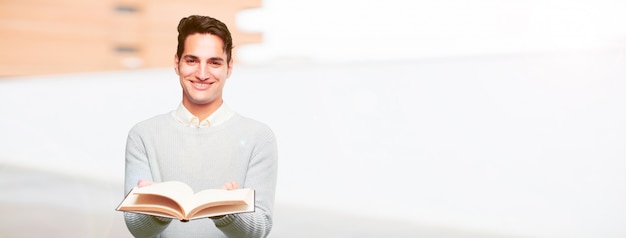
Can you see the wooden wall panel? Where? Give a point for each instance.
(68, 36)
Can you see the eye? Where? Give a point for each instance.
(191, 61)
(215, 63)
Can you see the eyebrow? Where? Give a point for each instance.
(196, 57)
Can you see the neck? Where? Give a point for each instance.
(202, 111)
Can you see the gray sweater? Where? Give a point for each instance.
(240, 149)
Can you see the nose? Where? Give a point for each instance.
(202, 73)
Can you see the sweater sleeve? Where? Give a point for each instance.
(261, 176)
(138, 167)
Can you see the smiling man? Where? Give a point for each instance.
(203, 142)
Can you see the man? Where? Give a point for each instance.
(203, 142)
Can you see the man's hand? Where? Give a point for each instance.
(143, 183)
(232, 185)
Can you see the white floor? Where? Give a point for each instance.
(502, 146)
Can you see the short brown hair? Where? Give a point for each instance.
(203, 24)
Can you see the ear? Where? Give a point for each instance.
(230, 67)
(176, 61)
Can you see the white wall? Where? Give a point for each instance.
(347, 30)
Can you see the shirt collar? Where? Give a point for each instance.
(222, 114)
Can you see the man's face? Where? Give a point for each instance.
(203, 70)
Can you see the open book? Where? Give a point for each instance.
(177, 200)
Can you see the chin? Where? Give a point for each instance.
(202, 101)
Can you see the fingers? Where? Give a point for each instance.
(230, 185)
(143, 183)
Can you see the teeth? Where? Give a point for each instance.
(201, 85)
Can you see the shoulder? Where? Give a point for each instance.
(249, 125)
(247, 121)
(153, 123)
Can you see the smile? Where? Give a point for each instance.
(201, 85)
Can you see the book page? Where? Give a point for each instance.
(151, 204)
(177, 191)
(222, 201)
(215, 197)
(221, 210)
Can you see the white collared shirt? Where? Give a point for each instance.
(222, 114)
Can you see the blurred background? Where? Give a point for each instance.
(394, 119)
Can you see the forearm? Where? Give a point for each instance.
(251, 225)
(136, 169)
(261, 176)
(141, 225)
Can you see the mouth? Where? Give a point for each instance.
(201, 85)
